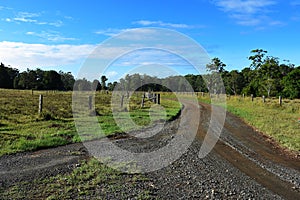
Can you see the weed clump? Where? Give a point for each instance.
(46, 116)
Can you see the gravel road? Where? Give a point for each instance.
(244, 164)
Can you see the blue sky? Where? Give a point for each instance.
(61, 34)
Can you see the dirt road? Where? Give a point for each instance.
(243, 164)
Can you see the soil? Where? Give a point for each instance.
(244, 164)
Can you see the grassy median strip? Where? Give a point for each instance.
(23, 129)
(279, 122)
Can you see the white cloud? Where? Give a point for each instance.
(295, 18)
(27, 17)
(148, 57)
(295, 3)
(5, 8)
(162, 24)
(248, 12)
(110, 31)
(134, 35)
(24, 55)
(111, 74)
(246, 20)
(276, 23)
(24, 17)
(247, 6)
(113, 31)
(52, 36)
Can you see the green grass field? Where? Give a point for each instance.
(23, 129)
(279, 122)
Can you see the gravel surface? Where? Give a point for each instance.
(243, 165)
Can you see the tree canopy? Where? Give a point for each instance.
(266, 75)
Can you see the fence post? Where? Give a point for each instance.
(251, 97)
(158, 98)
(122, 98)
(143, 100)
(264, 99)
(280, 100)
(40, 104)
(90, 102)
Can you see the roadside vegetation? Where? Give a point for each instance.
(282, 123)
(23, 129)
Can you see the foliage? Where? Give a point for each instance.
(137, 82)
(103, 82)
(265, 76)
(257, 58)
(292, 84)
(7, 76)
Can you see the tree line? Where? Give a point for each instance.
(38, 79)
(265, 76)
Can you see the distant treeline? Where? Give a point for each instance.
(265, 76)
(35, 79)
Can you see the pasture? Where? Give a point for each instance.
(22, 128)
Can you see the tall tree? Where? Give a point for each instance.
(111, 86)
(7, 76)
(269, 75)
(213, 79)
(291, 84)
(96, 86)
(103, 82)
(67, 79)
(216, 65)
(52, 80)
(258, 58)
(82, 85)
(233, 81)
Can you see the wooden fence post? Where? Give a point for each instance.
(154, 98)
(280, 100)
(143, 101)
(90, 102)
(122, 99)
(40, 104)
(158, 98)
